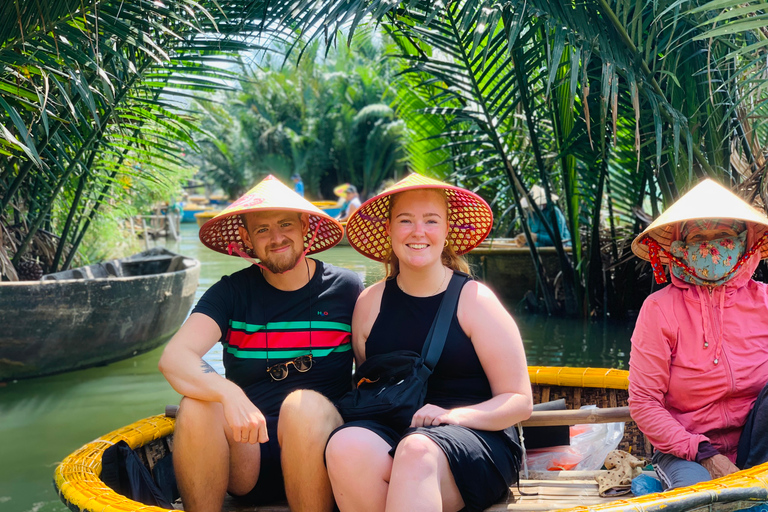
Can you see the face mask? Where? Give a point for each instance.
(710, 262)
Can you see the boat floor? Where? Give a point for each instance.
(550, 491)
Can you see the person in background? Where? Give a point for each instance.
(698, 367)
(351, 203)
(298, 185)
(384, 185)
(284, 325)
(462, 450)
(538, 230)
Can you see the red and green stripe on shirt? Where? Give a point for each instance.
(286, 339)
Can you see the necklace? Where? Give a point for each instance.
(445, 275)
(266, 327)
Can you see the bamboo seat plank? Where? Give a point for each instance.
(577, 417)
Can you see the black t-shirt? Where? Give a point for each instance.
(262, 326)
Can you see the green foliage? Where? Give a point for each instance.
(322, 117)
(610, 105)
(91, 90)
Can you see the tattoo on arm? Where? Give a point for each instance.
(206, 367)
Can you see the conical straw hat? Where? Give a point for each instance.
(470, 219)
(269, 194)
(707, 200)
(539, 197)
(341, 190)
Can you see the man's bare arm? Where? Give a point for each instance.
(182, 360)
(182, 364)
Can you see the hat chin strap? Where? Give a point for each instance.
(235, 247)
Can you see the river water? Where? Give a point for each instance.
(44, 419)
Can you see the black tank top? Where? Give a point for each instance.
(403, 324)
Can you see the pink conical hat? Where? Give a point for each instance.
(270, 194)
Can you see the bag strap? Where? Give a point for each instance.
(433, 346)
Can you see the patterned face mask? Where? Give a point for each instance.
(709, 263)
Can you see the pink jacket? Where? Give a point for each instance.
(677, 394)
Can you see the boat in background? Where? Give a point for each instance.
(344, 242)
(77, 477)
(189, 210)
(508, 269)
(198, 199)
(94, 315)
(218, 200)
(203, 217)
(332, 208)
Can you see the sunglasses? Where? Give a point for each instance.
(279, 371)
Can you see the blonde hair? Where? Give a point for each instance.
(449, 257)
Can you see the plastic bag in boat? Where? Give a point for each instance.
(590, 444)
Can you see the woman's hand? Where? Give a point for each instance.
(246, 420)
(432, 415)
(719, 465)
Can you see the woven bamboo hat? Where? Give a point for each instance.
(270, 194)
(707, 200)
(470, 219)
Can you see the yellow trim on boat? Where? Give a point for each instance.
(325, 204)
(77, 477)
(579, 377)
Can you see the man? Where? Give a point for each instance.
(298, 185)
(284, 324)
(351, 203)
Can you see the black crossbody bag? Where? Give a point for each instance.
(390, 388)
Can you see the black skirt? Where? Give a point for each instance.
(484, 463)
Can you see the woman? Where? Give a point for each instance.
(350, 200)
(461, 450)
(699, 358)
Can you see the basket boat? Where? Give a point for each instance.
(191, 209)
(77, 477)
(344, 242)
(508, 269)
(94, 315)
(204, 216)
(331, 208)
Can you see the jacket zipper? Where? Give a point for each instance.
(723, 355)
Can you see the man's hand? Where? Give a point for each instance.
(719, 465)
(246, 421)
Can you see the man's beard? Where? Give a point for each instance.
(283, 262)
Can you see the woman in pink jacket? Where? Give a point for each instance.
(699, 359)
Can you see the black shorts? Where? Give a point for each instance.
(484, 464)
(269, 487)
